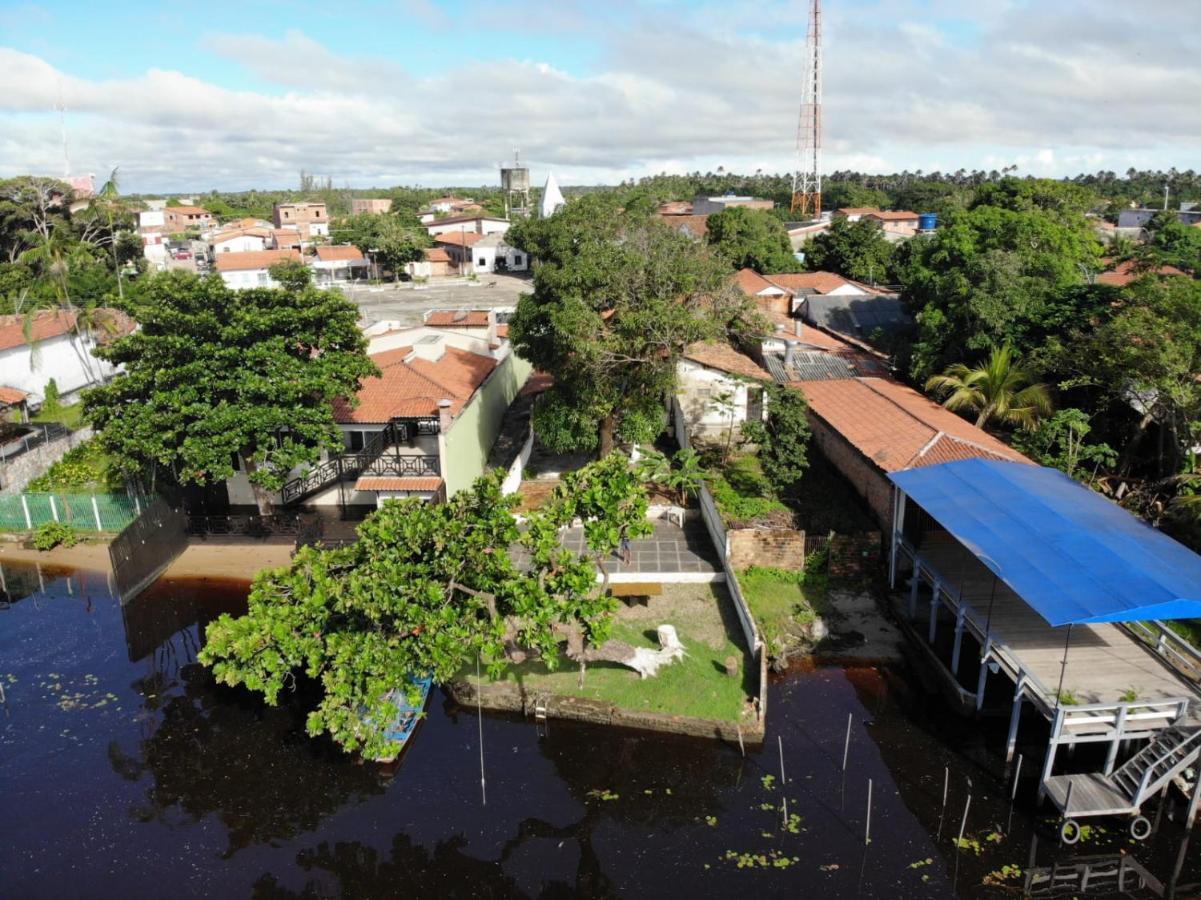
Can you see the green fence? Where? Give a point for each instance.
(84, 512)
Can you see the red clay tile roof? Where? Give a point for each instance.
(751, 282)
(441, 318)
(697, 226)
(891, 215)
(675, 208)
(414, 388)
(1125, 272)
(11, 395)
(821, 282)
(187, 210)
(856, 210)
(502, 330)
(468, 217)
(252, 231)
(43, 326)
(458, 238)
(437, 254)
(896, 427)
(725, 358)
(254, 259)
(537, 383)
(338, 252)
(383, 483)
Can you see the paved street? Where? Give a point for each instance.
(405, 302)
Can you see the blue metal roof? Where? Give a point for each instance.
(1074, 556)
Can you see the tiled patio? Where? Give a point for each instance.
(671, 549)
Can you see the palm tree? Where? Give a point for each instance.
(1000, 390)
(109, 194)
(685, 475)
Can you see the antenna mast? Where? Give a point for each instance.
(807, 179)
(62, 122)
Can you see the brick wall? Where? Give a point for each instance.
(869, 481)
(774, 548)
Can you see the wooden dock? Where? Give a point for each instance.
(1105, 663)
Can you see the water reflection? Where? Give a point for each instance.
(353, 869)
(220, 752)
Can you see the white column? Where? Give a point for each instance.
(96, 513)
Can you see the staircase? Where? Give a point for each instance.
(1172, 752)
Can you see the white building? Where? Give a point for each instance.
(338, 263)
(552, 198)
(468, 225)
(242, 240)
(491, 254)
(252, 269)
(718, 390)
(54, 350)
(150, 219)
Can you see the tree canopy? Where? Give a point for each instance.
(617, 297)
(426, 591)
(215, 372)
(855, 250)
(997, 274)
(751, 238)
(391, 239)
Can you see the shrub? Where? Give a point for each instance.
(51, 534)
(86, 466)
(51, 403)
(741, 491)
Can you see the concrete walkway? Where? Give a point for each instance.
(670, 550)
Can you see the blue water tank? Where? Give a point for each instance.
(927, 221)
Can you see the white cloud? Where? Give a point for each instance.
(1055, 89)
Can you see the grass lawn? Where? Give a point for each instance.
(780, 601)
(69, 416)
(695, 686)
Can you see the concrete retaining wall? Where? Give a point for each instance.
(512, 482)
(506, 697)
(18, 471)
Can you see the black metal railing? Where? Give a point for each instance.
(380, 456)
(248, 526)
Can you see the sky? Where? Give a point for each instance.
(236, 95)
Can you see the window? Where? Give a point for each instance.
(287, 215)
(355, 440)
(264, 278)
(482, 262)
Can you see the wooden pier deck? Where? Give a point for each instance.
(1106, 665)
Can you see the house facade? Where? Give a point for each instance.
(242, 240)
(471, 224)
(53, 350)
(338, 263)
(250, 269)
(311, 219)
(375, 207)
(177, 219)
(718, 390)
(422, 429)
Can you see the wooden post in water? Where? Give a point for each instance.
(959, 614)
(780, 742)
(963, 822)
(1016, 776)
(867, 828)
(479, 712)
(1015, 717)
(846, 747)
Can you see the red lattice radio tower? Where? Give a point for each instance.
(807, 179)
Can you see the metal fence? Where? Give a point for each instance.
(144, 549)
(86, 512)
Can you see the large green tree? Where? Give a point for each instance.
(1146, 358)
(751, 239)
(784, 438)
(617, 297)
(429, 589)
(215, 372)
(855, 250)
(390, 238)
(1006, 271)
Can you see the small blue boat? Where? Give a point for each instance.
(401, 726)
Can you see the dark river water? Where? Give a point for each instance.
(125, 772)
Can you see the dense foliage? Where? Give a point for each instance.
(783, 439)
(617, 297)
(429, 589)
(751, 239)
(855, 250)
(215, 373)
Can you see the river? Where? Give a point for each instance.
(126, 772)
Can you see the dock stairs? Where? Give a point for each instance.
(1173, 752)
(1172, 756)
